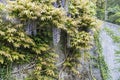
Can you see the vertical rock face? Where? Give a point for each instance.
(31, 28)
(20, 72)
(95, 71)
(56, 36)
(109, 48)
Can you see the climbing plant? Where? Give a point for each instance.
(18, 46)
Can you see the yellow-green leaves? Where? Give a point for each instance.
(9, 55)
(24, 9)
(2, 33)
(82, 41)
(15, 44)
(1, 59)
(27, 9)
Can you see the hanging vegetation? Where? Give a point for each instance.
(18, 46)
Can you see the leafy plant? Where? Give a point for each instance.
(16, 44)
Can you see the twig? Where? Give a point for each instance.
(61, 72)
(60, 63)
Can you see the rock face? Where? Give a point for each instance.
(109, 48)
(20, 72)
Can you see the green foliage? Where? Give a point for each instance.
(44, 63)
(12, 41)
(114, 14)
(115, 38)
(17, 47)
(81, 7)
(112, 10)
(117, 54)
(101, 62)
(100, 9)
(38, 11)
(82, 40)
(5, 72)
(80, 37)
(15, 44)
(78, 27)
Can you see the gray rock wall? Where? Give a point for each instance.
(109, 48)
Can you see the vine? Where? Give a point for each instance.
(19, 47)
